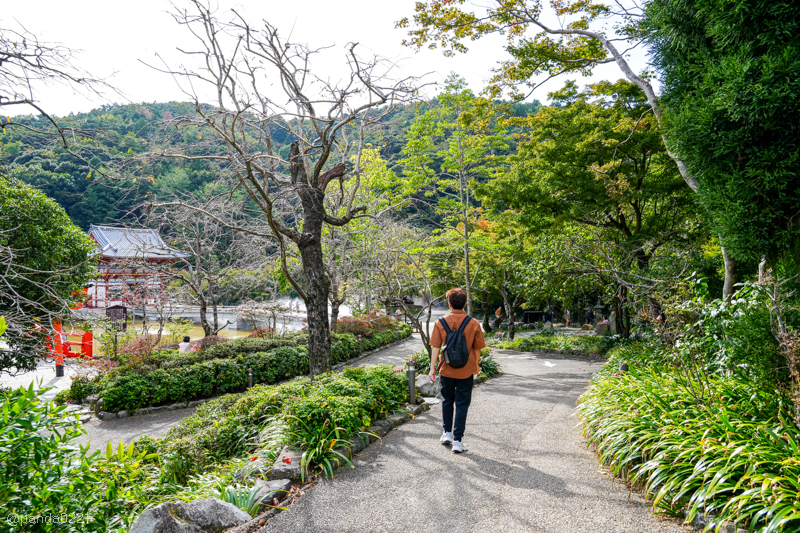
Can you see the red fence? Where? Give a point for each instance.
(63, 346)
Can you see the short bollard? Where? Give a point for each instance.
(250, 375)
(411, 370)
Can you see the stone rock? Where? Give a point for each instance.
(358, 442)
(195, 403)
(105, 415)
(480, 379)
(426, 387)
(291, 470)
(427, 405)
(122, 414)
(379, 432)
(85, 418)
(602, 329)
(98, 406)
(200, 516)
(258, 469)
(612, 322)
(175, 406)
(141, 412)
(91, 399)
(159, 409)
(415, 410)
(548, 326)
(398, 418)
(277, 489)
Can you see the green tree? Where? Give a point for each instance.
(590, 33)
(46, 260)
(598, 160)
(456, 143)
(732, 101)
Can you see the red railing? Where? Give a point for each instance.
(63, 346)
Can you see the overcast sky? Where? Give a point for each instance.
(116, 37)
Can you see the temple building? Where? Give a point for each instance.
(131, 266)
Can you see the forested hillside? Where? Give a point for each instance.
(117, 133)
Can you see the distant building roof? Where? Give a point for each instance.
(127, 243)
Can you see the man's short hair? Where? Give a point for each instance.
(457, 298)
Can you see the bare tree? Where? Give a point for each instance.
(265, 96)
(216, 260)
(401, 268)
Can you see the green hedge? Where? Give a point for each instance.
(201, 380)
(229, 372)
(227, 426)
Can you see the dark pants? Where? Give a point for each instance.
(458, 392)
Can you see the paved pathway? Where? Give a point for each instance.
(527, 468)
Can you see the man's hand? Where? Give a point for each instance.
(432, 375)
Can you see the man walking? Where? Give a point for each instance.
(457, 381)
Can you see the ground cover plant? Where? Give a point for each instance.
(557, 342)
(703, 420)
(197, 458)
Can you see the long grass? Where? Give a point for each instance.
(732, 455)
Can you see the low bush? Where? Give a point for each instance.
(305, 412)
(209, 378)
(353, 326)
(720, 447)
(43, 470)
(140, 385)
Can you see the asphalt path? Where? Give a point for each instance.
(527, 468)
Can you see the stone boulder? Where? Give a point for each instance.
(602, 329)
(426, 387)
(587, 327)
(276, 489)
(292, 469)
(548, 326)
(200, 516)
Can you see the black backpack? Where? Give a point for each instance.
(455, 349)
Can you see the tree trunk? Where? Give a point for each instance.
(510, 312)
(216, 328)
(621, 316)
(731, 275)
(317, 283)
(487, 328)
(204, 318)
(335, 314)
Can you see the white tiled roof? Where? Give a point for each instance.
(127, 243)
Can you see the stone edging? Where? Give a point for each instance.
(108, 415)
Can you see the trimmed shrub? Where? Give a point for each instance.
(147, 386)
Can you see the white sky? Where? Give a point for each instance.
(114, 36)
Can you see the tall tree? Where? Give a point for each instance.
(450, 147)
(540, 52)
(732, 100)
(45, 261)
(263, 86)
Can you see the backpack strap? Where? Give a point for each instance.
(447, 329)
(463, 324)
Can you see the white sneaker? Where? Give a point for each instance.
(459, 446)
(446, 438)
